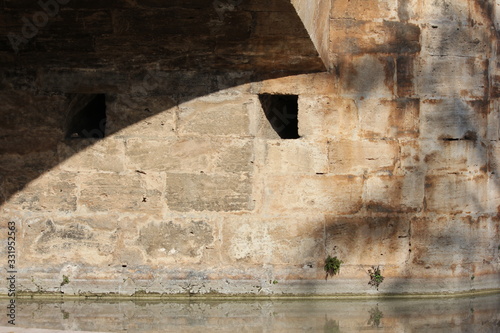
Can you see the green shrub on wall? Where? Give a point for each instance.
(332, 266)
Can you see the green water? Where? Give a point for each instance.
(466, 314)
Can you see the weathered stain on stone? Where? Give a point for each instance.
(406, 117)
(389, 68)
(172, 239)
(370, 240)
(405, 68)
(405, 10)
(350, 36)
(55, 237)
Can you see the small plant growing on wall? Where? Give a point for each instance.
(332, 266)
(376, 277)
(65, 280)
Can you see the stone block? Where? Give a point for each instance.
(493, 193)
(405, 76)
(410, 158)
(171, 45)
(454, 246)
(350, 36)
(11, 22)
(279, 45)
(178, 241)
(235, 25)
(56, 192)
(39, 140)
(355, 70)
(494, 157)
(456, 193)
(389, 118)
(53, 44)
(16, 79)
(408, 10)
(288, 242)
(209, 192)
(279, 23)
(386, 194)
(27, 164)
(296, 156)
(368, 241)
(91, 155)
(457, 156)
(124, 192)
(493, 129)
(360, 157)
(24, 111)
(189, 154)
(228, 115)
(80, 22)
(143, 116)
(325, 193)
(261, 125)
(452, 77)
(176, 21)
(494, 73)
(453, 119)
(365, 9)
(327, 116)
(88, 240)
(82, 81)
(404, 120)
(316, 19)
(445, 39)
(444, 10)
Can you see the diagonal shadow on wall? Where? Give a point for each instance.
(54, 59)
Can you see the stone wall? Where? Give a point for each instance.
(192, 191)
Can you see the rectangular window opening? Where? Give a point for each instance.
(87, 117)
(282, 113)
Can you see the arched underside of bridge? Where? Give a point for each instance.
(55, 56)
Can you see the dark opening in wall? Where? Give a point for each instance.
(87, 117)
(282, 113)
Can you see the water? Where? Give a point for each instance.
(472, 314)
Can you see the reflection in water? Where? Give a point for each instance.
(331, 326)
(477, 314)
(375, 316)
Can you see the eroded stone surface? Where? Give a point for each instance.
(210, 192)
(168, 238)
